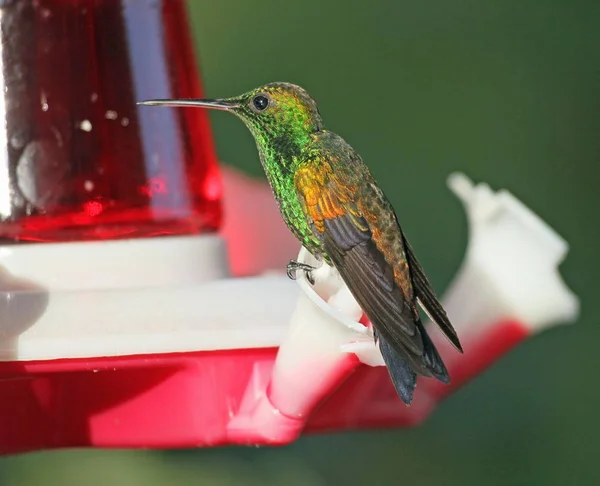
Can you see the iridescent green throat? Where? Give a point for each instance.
(280, 158)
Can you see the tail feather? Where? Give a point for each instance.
(433, 360)
(427, 298)
(401, 372)
(401, 369)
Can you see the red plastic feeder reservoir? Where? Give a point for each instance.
(80, 160)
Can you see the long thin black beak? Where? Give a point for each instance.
(214, 104)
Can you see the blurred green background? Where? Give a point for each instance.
(506, 91)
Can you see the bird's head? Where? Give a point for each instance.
(275, 111)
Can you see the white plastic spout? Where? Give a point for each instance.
(511, 265)
(310, 358)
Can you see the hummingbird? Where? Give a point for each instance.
(332, 204)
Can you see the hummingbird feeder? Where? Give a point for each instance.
(122, 324)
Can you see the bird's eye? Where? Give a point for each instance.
(260, 103)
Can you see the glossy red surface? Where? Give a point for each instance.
(190, 399)
(81, 161)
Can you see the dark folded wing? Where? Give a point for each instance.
(427, 298)
(332, 202)
(371, 280)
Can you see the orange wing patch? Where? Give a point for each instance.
(324, 196)
(312, 182)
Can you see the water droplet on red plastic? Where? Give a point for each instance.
(155, 186)
(93, 208)
(41, 174)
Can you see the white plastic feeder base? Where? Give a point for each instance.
(139, 296)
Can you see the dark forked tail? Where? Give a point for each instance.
(401, 371)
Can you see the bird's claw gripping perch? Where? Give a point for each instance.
(294, 266)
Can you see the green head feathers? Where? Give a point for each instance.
(276, 113)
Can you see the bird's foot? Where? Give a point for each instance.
(294, 266)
